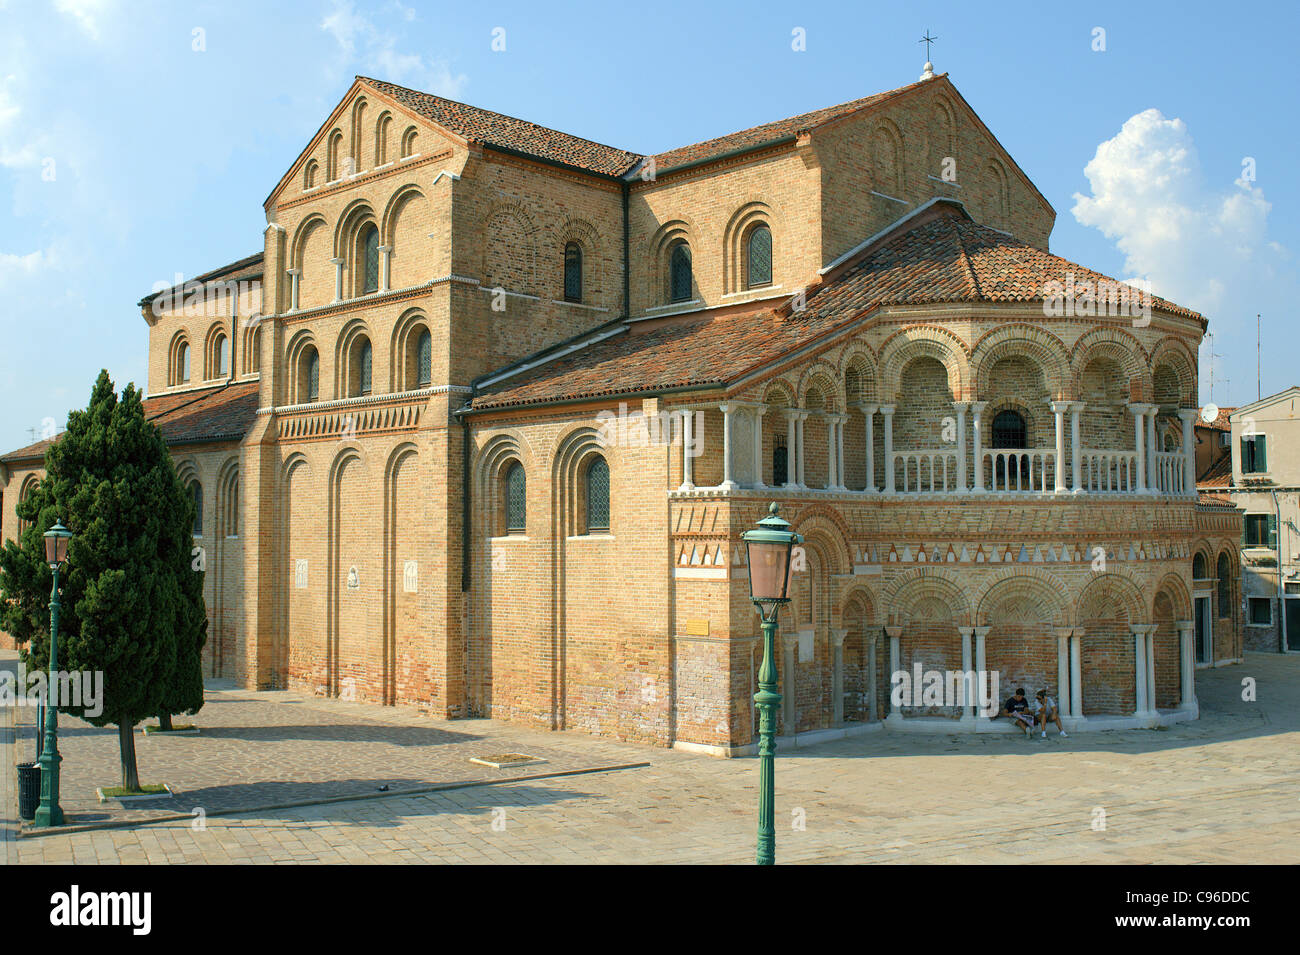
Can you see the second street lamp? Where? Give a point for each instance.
(768, 551)
(49, 813)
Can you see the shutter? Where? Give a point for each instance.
(1246, 456)
(1261, 452)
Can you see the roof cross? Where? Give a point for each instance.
(927, 40)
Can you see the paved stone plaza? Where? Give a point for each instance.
(1223, 789)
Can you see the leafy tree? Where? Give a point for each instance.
(132, 604)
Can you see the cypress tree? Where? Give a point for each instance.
(132, 604)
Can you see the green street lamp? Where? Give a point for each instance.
(769, 581)
(49, 813)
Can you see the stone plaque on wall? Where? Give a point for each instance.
(300, 574)
(354, 578)
(411, 576)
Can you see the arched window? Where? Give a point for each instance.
(381, 138)
(780, 463)
(183, 364)
(309, 375)
(332, 156)
(759, 257)
(597, 491)
(424, 360)
(368, 244)
(1199, 570)
(679, 273)
(516, 500)
(1225, 586)
(365, 360)
(309, 175)
(1009, 430)
(573, 272)
(196, 491)
(408, 142)
(222, 351)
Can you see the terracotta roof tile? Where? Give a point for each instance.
(187, 417)
(1218, 474)
(945, 259)
(487, 128)
(1215, 500)
(249, 267)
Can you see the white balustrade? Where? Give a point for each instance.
(926, 469)
(1108, 469)
(1023, 470)
(1170, 467)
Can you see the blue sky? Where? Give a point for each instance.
(127, 155)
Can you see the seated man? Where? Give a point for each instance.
(1044, 710)
(1017, 707)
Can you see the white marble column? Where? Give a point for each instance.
(895, 664)
(1188, 417)
(840, 483)
(384, 252)
(1063, 671)
(338, 279)
(981, 663)
(1152, 706)
(888, 412)
(728, 410)
(1139, 439)
(1076, 674)
(799, 424)
(968, 682)
(872, 678)
(1187, 663)
(791, 424)
(977, 431)
(294, 276)
(688, 462)
(1152, 448)
(832, 458)
(960, 407)
(869, 412)
(1059, 408)
(1076, 447)
(837, 676)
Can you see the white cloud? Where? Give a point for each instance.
(372, 50)
(88, 14)
(1196, 244)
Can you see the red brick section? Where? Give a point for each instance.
(945, 259)
(487, 128)
(187, 417)
(769, 132)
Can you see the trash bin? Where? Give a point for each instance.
(29, 790)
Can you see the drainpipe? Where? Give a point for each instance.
(627, 275)
(1281, 588)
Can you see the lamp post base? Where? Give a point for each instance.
(768, 702)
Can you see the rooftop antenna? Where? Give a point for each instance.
(1212, 355)
(1258, 393)
(928, 74)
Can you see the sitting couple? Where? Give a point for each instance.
(1027, 715)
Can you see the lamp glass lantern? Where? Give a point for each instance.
(769, 550)
(56, 546)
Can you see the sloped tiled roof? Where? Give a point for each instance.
(487, 128)
(187, 417)
(1215, 500)
(1220, 423)
(944, 259)
(1218, 474)
(249, 267)
(769, 132)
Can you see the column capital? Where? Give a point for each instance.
(888, 409)
(893, 632)
(385, 248)
(790, 640)
(1187, 414)
(1140, 408)
(1064, 633)
(978, 406)
(981, 631)
(1076, 407)
(1183, 626)
(1060, 407)
(727, 406)
(966, 631)
(293, 271)
(867, 407)
(1141, 629)
(836, 416)
(837, 638)
(337, 261)
(961, 406)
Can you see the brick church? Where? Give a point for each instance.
(479, 428)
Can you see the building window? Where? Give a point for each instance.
(408, 142)
(1225, 586)
(1261, 611)
(1011, 433)
(573, 272)
(1254, 454)
(196, 491)
(366, 362)
(780, 463)
(1260, 530)
(759, 257)
(597, 495)
(424, 360)
(516, 500)
(370, 260)
(1198, 567)
(310, 386)
(223, 356)
(679, 273)
(183, 364)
